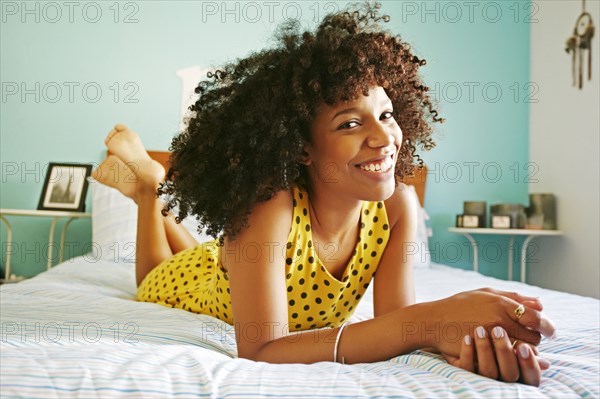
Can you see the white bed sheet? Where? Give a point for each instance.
(76, 331)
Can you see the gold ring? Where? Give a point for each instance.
(519, 311)
(514, 343)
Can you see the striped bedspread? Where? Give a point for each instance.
(76, 331)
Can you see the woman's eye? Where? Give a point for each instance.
(387, 115)
(348, 125)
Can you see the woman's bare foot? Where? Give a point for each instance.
(114, 173)
(129, 168)
(126, 144)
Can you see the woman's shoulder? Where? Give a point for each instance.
(271, 218)
(402, 205)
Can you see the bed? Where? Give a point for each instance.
(77, 331)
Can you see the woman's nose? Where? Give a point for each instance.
(381, 136)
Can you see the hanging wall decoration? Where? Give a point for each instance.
(578, 43)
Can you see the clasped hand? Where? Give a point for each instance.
(497, 342)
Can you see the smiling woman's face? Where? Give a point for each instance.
(354, 148)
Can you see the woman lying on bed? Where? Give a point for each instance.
(292, 156)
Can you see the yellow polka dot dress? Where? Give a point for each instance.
(195, 280)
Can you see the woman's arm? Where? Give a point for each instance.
(256, 268)
(394, 286)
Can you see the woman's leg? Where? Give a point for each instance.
(177, 235)
(136, 175)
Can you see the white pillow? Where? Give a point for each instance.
(420, 248)
(114, 225)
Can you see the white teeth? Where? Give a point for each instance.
(380, 167)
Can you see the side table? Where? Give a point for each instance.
(55, 215)
(530, 235)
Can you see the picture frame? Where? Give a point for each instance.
(65, 187)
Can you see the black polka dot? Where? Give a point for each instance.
(301, 281)
(290, 288)
(375, 219)
(299, 252)
(330, 296)
(300, 267)
(304, 295)
(288, 245)
(292, 302)
(374, 254)
(304, 211)
(367, 266)
(306, 307)
(385, 226)
(307, 227)
(354, 272)
(310, 243)
(366, 211)
(297, 219)
(379, 205)
(313, 274)
(326, 282)
(288, 261)
(315, 287)
(294, 315)
(311, 259)
(294, 202)
(380, 241)
(309, 319)
(318, 300)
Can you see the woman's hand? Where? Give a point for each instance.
(452, 318)
(495, 357)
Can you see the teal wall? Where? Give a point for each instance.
(477, 49)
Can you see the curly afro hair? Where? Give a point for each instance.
(247, 131)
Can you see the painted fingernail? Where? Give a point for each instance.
(544, 363)
(468, 340)
(498, 332)
(524, 350)
(480, 331)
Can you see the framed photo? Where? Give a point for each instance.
(65, 187)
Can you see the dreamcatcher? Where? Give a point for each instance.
(578, 43)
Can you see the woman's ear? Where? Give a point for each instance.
(305, 158)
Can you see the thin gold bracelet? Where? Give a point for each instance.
(337, 343)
